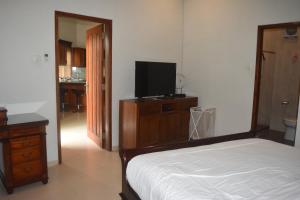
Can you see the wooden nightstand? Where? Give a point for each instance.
(23, 155)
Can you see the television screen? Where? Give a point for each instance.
(154, 79)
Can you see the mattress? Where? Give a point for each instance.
(241, 169)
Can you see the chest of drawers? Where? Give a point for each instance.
(23, 157)
(152, 122)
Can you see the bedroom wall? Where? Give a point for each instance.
(297, 140)
(142, 30)
(219, 53)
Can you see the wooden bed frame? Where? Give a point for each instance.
(126, 155)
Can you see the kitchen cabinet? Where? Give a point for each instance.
(78, 57)
(63, 47)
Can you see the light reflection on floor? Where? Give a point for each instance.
(74, 131)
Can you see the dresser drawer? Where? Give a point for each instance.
(3, 134)
(25, 130)
(148, 108)
(26, 171)
(25, 142)
(25, 155)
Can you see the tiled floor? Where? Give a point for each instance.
(87, 172)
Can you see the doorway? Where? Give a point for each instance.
(83, 78)
(277, 82)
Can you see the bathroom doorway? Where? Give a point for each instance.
(277, 84)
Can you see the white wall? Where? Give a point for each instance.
(297, 140)
(74, 31)
(81, 34)
(219, 56)
(142, 29)
(67, 30)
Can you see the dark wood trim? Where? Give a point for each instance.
(257, 77)
(83, 17)
(107, 141)
(280, 25)
(126, 155)
(64, 42)
(108, 96)
(57, 88)
(259, 52)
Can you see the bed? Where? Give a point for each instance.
(237, 166)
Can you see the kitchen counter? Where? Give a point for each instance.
(72, 85)
(69, 91)
(72, 81)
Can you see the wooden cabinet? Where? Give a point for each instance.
(78, 57)
(63, 48)
(169, 128)
(23, 150)
(154, 121)
(149, 126)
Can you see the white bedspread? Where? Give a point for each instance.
(242, 169)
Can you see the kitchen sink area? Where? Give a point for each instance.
(72, 80)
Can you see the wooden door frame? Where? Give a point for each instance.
(107, 138)
(259, 50)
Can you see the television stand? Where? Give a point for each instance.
(165, 97)
(172, 96)
(154, 121)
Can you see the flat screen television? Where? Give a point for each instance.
(154, 79)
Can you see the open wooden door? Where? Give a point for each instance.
(95, 81)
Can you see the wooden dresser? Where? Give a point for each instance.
(23, 156)
(154, 121)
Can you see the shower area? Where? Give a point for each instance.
(280, 84)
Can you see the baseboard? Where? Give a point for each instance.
(52, 163)
(115, 148)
